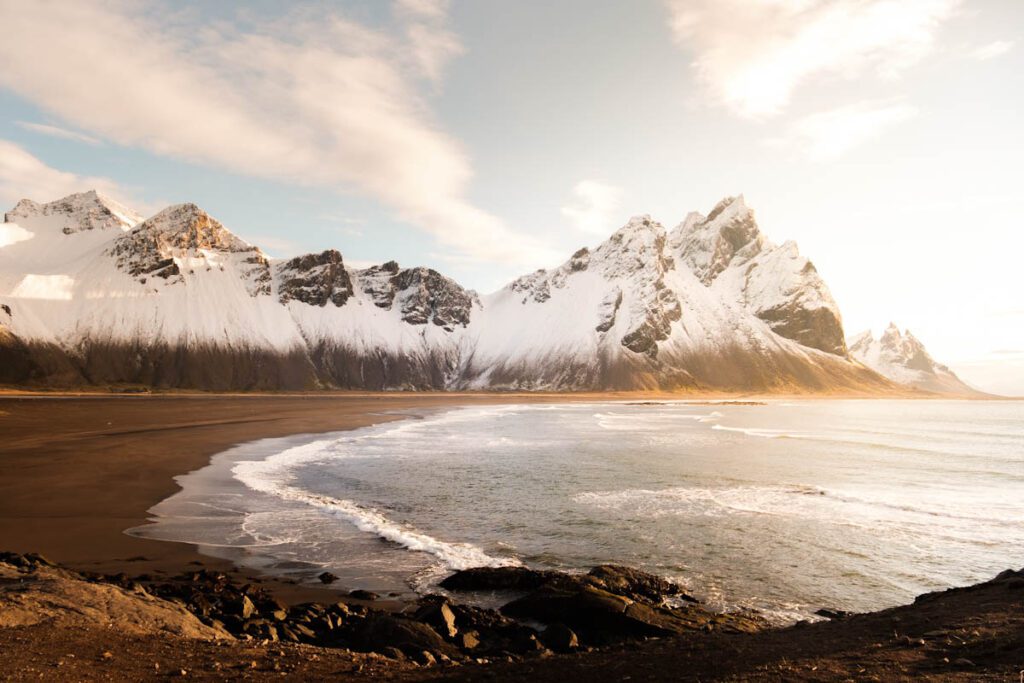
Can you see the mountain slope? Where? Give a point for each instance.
(728, 253)
(903, 358)
(91, 294)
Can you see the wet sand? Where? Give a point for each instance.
(77, 470)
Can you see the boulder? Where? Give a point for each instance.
(411, 637)
(559, 638)
(636, 584)
(440, 616)
(498, 579)
(360, 594)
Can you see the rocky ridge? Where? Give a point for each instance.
(730, 255)
(902, 357)
(178, 300)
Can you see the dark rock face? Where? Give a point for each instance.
(422, 294)
(427, 296)
(378, 283)
(657, 326)
(817, 328)
(315, 279)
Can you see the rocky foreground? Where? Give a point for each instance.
(613, 623)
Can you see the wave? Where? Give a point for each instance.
(837, 507)
(272, 476)
(763, 432)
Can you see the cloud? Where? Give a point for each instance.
(311, 99)
(277, 246)
(23, 176)
(593, 207)
(992, 50)
(828, 135)
(753, 54)
(56, 132)
(431, 45)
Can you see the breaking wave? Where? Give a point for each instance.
(273, 475)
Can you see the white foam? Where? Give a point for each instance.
(274, 476)
(700, 500)
(761, 432)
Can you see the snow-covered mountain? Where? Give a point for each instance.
(92, 294)
(901, 357)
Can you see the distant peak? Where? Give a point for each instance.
(81, 211)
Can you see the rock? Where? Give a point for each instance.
(424, 658)
(315, 279)
(560, 638)
(384, 630)
(498, 578)
(636, 584)
(468, 641)
(360, 594)
(832, 613)
(602, 616)
(440, 616)
(243, 607)
(327, 577)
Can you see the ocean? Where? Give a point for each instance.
(785, 506)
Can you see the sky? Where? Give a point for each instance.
(488, 138)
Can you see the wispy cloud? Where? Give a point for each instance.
(276, 246)
(57, 132)
(992, 50)
(593, 206)
(828, 135)
(753, 54)
(24, 176)
(312, 98)
(431, 44)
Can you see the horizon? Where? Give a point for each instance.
(421, 132)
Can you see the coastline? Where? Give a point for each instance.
(77, 471)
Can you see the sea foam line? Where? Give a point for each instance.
(270, 476)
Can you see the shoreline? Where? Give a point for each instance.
(80, 470)
(73, 486)
(76, 472)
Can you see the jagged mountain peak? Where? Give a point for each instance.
(181, 238)
(180, 289)
(314, 279)
(903, 358)
(79, 212)
(710, 244)
(728, 253)
(187, 226)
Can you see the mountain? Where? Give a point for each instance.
(902, 358)
(91, 294)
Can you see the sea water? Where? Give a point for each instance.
(781, 506)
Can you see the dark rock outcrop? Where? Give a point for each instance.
(315, 279)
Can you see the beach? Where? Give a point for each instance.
(77, 471)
